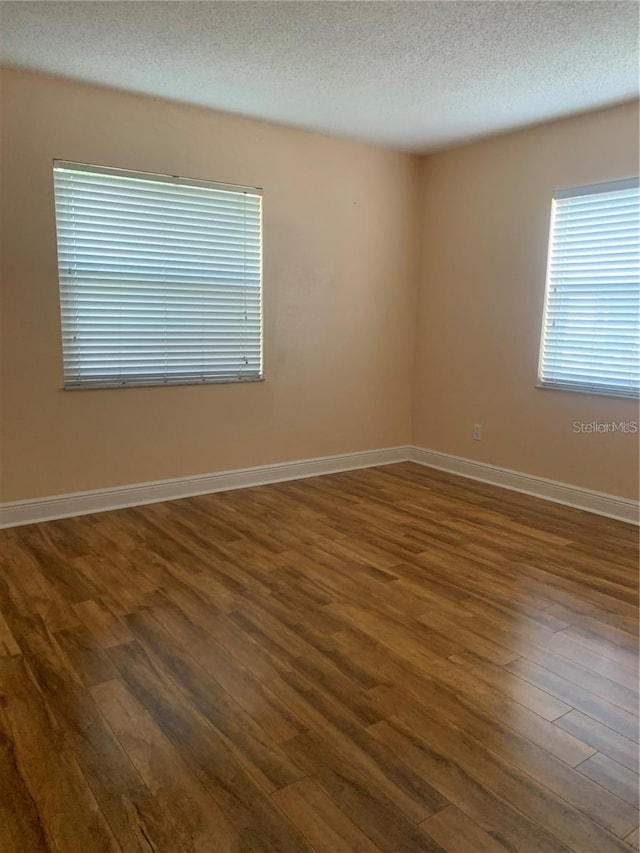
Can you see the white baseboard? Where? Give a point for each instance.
(599, 503)
(18, 513)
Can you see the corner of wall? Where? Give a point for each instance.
(422, 161)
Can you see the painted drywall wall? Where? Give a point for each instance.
(342, 225)
(485, 223)
(339, 296)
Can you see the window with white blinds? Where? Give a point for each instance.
(160, 278)
(591, 331)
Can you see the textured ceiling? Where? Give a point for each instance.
(409, 75)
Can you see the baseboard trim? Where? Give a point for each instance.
(17, 513)
(599, 503)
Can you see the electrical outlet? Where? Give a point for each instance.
(477, 432)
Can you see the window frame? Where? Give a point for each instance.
(175, 180)
(554, 385)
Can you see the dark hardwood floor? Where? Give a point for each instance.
(391, 659)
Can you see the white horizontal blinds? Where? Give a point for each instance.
(591, 334)
(160, 278)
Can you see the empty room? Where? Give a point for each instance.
(319, 426)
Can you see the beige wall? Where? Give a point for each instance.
(484, 245)
(339, 296)
(341, 287)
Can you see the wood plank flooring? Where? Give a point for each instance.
(384, 660)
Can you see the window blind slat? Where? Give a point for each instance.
(160, 278)
(134, 224)
(591, 327)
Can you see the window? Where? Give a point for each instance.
(591, 328)
(160, 278)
